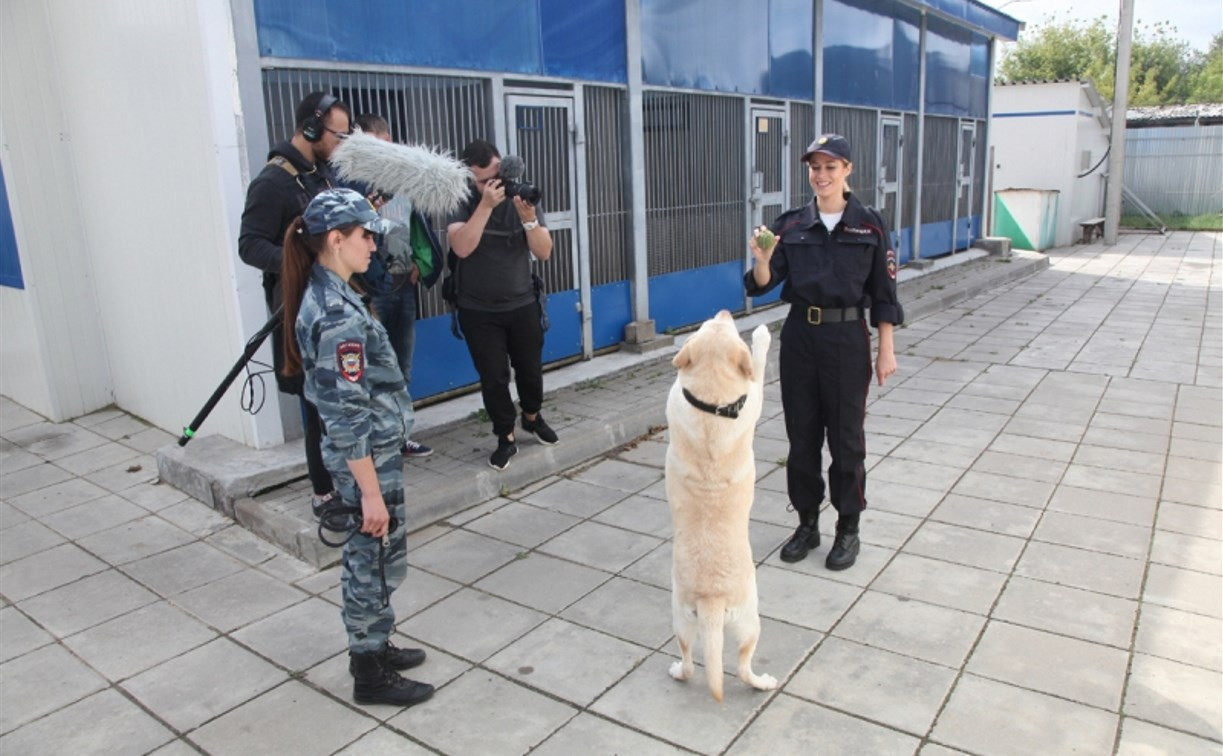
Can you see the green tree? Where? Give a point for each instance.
(1207, 84)
(1164, 70)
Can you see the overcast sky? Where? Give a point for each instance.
(1196, 21)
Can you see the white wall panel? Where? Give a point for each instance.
(63, 323)
(24, 374)
(146, 98)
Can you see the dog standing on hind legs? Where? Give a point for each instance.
(712, 411)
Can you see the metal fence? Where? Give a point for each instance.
(694, 162)
(1176, 170)
(439, 111)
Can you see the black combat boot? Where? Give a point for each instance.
(377, 683)
(805, 538)
(395, 658)
(845, 547)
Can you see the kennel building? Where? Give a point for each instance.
(660, 131)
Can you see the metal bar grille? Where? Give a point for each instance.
(908, 208)
(543, 143)
(802, 133)
(939, 170)
(440, 111)
(979, 171)
(769, 152)
(608, 210)
(694, 160)
(861, 128)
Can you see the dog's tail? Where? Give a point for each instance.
(711, 614)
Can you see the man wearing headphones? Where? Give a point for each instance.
(296, 171)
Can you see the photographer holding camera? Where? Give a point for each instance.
(495, 242)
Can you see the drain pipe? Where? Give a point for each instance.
(1116, 157)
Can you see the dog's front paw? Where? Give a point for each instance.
(761, 337)
(677, 671)
(765, 682)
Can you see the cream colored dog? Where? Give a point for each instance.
(711, 474)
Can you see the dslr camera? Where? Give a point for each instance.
(512, 170)
(529, 192)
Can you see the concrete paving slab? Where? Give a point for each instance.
(203, 683)
(983, 716)
(522, 524)
(803, 727)
(384, 742)
(586, 733)
(1140, 738)
(1089, 533)
(135, 540)
(898, 691)
(94, 516)
(1175, 695)
(547, 658)
(927, 632)
(1116, 576)
(115, 725)
(46, 571)
(163, 632)
(1191, 639)
(472, 624)
(238, 599)
(933, 581)
(542, 582)
(86, 602)
(59, 678)
(20, 634)
(182, 569)
(1183, 589)
(626, 609)
(496, 717)
(1088, 673)
(291, 718)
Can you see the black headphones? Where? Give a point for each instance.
(312, 127)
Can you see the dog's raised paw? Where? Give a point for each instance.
(677, 671)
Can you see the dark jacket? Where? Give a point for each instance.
(275, 197)
(851, 265)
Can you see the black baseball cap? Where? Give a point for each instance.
(834, 145)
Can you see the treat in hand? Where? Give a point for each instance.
(765, 240)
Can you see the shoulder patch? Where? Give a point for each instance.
(350, 358)
(892, 264)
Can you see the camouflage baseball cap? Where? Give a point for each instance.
(339, 208)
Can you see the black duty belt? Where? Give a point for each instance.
(825, 315)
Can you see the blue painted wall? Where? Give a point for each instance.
(544, 37)
(957, 70)
(871, 49)
(10, 263)
(729, 46)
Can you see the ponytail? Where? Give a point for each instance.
(300, 252)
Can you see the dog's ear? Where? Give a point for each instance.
(684, 358)
(745, 363)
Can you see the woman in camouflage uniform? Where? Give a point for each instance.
(353, 377)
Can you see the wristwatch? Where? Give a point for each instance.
(527, 226)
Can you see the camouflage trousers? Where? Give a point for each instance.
(369, 623)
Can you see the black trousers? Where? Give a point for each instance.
(496, 341)
(825, 377)
(312, 424)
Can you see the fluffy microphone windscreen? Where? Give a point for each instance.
(432, 180)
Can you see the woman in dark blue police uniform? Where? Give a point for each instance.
(834, 259)
(352, 375)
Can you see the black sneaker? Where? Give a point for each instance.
(500, 459)
(320, 503)
(415, 449)
(540, 429)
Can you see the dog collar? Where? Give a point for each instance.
(721, 410)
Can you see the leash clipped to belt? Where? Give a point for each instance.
(346, 520)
